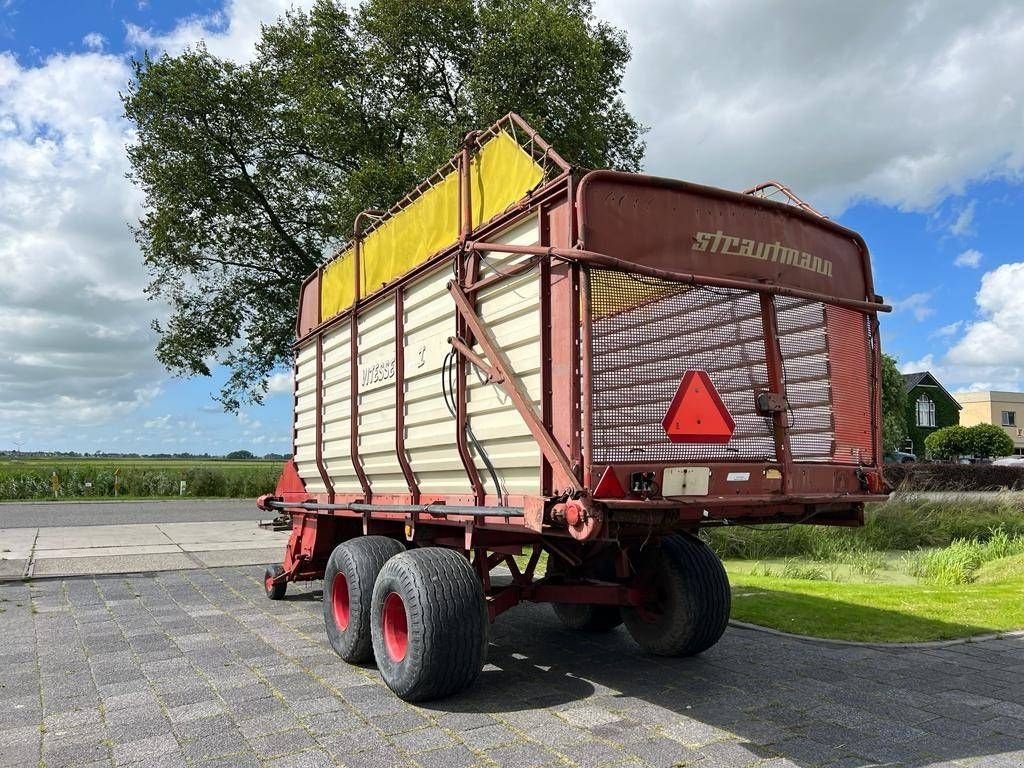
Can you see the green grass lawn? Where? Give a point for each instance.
(881, 612)
(917, 571)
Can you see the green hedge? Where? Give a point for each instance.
(953, 477)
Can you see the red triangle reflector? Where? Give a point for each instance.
(697, 414)
(609, 487)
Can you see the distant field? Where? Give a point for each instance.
(25, 479)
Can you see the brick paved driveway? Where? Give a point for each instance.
(197, 668)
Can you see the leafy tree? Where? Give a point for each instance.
(948, 442)
(253, 173)
(240, 455)
(988, 440)
(894, 405)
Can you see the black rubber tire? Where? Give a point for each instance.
(588, 618)
(693, 598)
(446, 618)
(359, 560)
(276, 590)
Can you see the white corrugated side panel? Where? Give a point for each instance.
(377, 400)
(337, 410)
(429, 427)
(511, 309)
(305, 419)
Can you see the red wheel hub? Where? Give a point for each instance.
(395, 626)
(339, 601)
(269, 583)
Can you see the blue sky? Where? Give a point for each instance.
(903, 122)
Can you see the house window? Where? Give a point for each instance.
(925, 412)
(1009, 418)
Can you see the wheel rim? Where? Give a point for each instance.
(339, 601)
(269, 582)
(395, 626)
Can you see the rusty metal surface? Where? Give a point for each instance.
(681, 227)
(852, 360)
(308, 316)
(606, 261)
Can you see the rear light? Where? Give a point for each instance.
(642, 483)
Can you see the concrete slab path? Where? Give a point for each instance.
(133, 548)
(46, 514)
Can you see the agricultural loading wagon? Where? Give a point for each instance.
(520, 360)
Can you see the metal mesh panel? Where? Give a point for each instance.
(851, 350)
(803, 343)
(645, 334)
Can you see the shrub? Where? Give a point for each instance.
(986, 440)
(948, 442)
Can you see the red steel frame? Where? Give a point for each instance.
(563, 519)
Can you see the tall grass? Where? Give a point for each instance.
(794, 569)
(959, 562)
(155, 478)
(905, 523)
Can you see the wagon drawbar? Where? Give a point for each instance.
(521, 360)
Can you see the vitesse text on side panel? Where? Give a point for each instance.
(733, 245)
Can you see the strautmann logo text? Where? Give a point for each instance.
(734, 245)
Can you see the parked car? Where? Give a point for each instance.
(899, 457)
(1009, 461)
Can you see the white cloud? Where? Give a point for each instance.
(926, 363)
(917, 304)
(964, 223)
(969, 258)
(231, 32)
(998, 338)
(250, 424)
(949, 330)
(76, 346)
(901, 102)
(280, 384)
(159, 422)
(94, 41)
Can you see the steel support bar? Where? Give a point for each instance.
(432, 509)
(514, 388)
(764, 186)
(777, 379)
(611, 262)
(492, 374)
(319, 424)
(576, 594)
(465, 274)
(403, 457)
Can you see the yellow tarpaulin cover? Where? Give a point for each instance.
(501, 173)
(338, 285)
